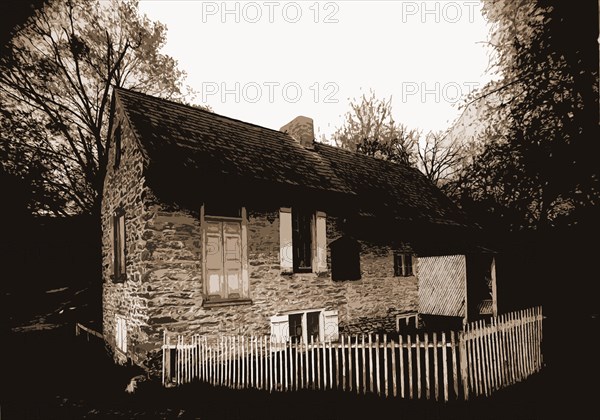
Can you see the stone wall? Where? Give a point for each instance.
(124, 188)
(174, 279)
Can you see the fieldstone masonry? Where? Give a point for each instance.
(164, 289)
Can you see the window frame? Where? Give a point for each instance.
(119, 247)
(244, 297)
(401, 267)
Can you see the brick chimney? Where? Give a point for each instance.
(301, 129)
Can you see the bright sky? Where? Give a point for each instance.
(268, 62)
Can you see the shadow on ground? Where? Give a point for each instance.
(50, 374)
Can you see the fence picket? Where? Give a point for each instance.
(410, 374)
(377, 370)
(435, 367)
(393, 348)
(401, 352)
(418, 363)
(343, 364)
(454, 366)
(445, 366)
(364, 366)
(427, 372)
(385, 365)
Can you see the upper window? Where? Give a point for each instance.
(403, 264)
(224, 255)
(119, 265)
(117, 146)
(302, 240)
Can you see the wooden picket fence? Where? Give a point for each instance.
(441, 366)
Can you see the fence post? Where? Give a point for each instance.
(462, 352)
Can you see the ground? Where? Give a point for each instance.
(51, 374)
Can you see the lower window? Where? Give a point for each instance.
(305, 326)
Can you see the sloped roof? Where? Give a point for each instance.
(176, 138)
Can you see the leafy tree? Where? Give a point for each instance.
(59, 70)
(539, 161)
(369, 128)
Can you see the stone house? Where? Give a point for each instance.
(215, 226)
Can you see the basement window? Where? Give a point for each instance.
(305, 326)
(403, 266)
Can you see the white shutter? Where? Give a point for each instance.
(331, 326)
(280, 328)
(286, 256)
(320, 243)
(121, 334)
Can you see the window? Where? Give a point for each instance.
(224, 255)
(345, 259)
(121, 334)
(315, 324)
(118, 230)
(402, 264)
(302, 240)
(117, 146)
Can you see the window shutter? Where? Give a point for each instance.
(280, 328)
(286, 259)
(331, 327)
(320, 242)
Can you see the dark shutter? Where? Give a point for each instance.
(345, 259)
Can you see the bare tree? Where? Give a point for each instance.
(59, 70)
(439, 157)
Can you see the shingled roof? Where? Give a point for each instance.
(178, 137)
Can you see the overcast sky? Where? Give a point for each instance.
(268, 62)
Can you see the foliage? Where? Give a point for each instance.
(538, 166)
(59, 71)
(369, 128)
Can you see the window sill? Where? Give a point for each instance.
(225, 302)
(120, 278)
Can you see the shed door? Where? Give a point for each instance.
(223, 259)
